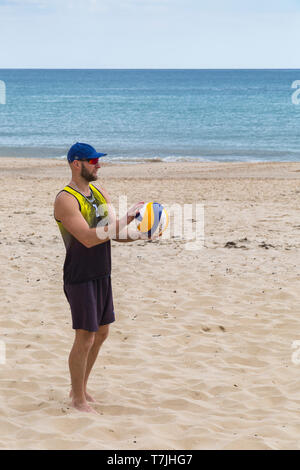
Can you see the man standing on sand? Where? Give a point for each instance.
(78, 209)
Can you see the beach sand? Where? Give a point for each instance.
(200, 355)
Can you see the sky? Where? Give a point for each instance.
(149, 33)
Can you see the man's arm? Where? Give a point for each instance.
(126, 235)
(66, 210)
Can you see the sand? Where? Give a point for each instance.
(200, 356)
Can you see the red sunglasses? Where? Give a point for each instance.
(91, 161)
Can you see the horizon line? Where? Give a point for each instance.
(149, 68)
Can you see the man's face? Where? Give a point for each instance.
(89, 171)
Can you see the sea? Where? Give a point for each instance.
(158, 115)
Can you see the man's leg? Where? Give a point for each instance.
(84, 341)
(100, 337)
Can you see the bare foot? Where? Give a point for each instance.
(87, 396)
(83, 406)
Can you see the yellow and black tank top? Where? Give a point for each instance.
(85, 264)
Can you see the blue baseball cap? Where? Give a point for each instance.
(80, 151)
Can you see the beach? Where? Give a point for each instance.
(202, 354)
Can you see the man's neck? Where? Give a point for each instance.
(81, 185)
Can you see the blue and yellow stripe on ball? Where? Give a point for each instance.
(150, 218)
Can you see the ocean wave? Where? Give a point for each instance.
(115, 157)
(61, 157)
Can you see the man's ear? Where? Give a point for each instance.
(75, 164)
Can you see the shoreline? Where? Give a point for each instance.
(161, 170)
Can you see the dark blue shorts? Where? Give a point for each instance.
(91, 303)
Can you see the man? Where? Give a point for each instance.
(87, 223)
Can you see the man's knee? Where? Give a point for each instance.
(102, 333)
(85, 339)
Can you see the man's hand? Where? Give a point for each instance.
(119, 230)
(134, 211)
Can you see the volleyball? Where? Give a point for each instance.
(152, 218)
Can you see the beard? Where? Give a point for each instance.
(86, 175)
